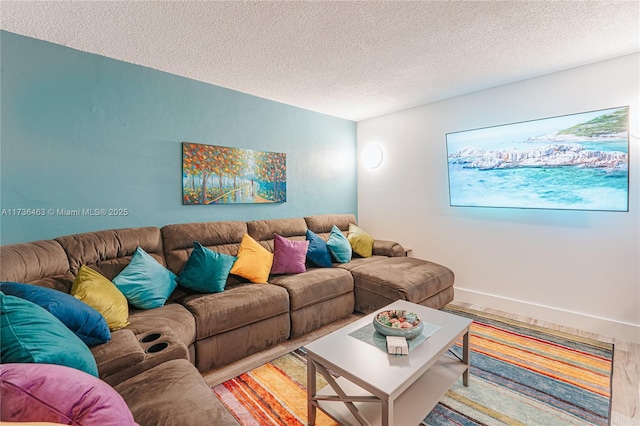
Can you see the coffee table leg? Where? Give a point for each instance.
(465, 357)
(311, 392)
(387, 413)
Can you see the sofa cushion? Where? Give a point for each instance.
(144, 282)
(98, 292)
(206, 271)
(318, 253)
(174, 393)
(315, 285)
(237, 306)
(289, 257)
(55, 393)
(254, 261)
(87, 323)
(361, 242)
(30, 334)
(339, 246)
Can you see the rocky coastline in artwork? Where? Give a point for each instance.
(562, 137)
(549, 155)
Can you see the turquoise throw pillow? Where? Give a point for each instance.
(206, 271)
(87, 323)
(145, 282)
(30, 334)
(339, 246)
(318, 252)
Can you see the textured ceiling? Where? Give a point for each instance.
(351, 59)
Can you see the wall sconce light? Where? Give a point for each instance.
(372, 156)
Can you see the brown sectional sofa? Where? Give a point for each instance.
(150, 361)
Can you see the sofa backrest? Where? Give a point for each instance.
(223, 237)
(43, 263)
(262, 230)
(110, 251)
(54, 263)
(322, 224)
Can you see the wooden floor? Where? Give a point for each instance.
(625, 399)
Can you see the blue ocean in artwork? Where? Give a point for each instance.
(578, 162)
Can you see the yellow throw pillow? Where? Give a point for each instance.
(254, 261)
(361, 242)
(102, 295)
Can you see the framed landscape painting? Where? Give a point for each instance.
(224, 175)
(571, 162)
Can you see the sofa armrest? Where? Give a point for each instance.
(388, 248)
(127, 354)
(119, 353)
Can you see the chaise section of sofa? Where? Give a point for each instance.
(401, 278)
(388, 275)
(243, 319)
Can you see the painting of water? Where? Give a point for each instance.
(225, 175)
(572, 162)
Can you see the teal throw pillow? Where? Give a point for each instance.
(206, 271)
(87, 323)
(318, 252)
(339, 246)
(30, 334)
(145, 282)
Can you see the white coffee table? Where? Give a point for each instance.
(376, 388)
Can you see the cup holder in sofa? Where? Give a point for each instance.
(158, 347)
(150, 337)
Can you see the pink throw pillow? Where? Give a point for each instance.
(55, 393)
(289, 256)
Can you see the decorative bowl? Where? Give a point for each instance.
(398, 323)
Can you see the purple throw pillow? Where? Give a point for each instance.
(59, 394)
(289, 257)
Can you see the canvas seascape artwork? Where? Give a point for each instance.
(572, 162)
(214, 174)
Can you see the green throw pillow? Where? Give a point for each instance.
(206, 271)
(30, 334)
(339, 246)
(361, 242)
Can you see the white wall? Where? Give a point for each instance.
(576, 268)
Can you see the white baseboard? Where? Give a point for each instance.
(603, 326)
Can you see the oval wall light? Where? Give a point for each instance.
(372, 156)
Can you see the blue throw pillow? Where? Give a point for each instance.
(206, 271)
(339, 246)
(87, 323)
(144, 282)
(318, 252)
(30, 334)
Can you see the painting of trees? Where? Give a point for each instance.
(218, 175)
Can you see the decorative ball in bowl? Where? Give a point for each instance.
(398, 323)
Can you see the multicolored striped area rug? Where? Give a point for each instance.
(520, 375)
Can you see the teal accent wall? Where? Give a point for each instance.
(82, 131)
